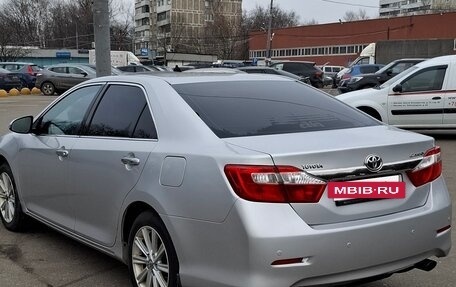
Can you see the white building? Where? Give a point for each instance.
(391, 8)
(163, 25)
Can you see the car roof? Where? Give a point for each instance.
(182, 78)
(438, 60)
(287, 61)
(18, 63)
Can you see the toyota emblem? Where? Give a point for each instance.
(373, 162)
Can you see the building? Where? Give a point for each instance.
(182, 26)
(340, 43)
(392, 8)
(46, 57)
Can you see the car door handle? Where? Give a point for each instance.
(62, 152)
(130, 160)
(436, 98)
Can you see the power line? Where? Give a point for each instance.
(351, 4)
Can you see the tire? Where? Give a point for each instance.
(146, 270)
(48, 88)
(11, 212)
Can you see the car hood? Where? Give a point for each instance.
(360, 94)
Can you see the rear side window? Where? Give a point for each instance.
(122, 112)
(252, 108)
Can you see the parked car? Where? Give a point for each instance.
(271, 71)
(354, 71)
(27, 72)
(302, 69)
(364, 81)
(330, 72)
(138, 68)
(61, 77)
(424, 96)
(9, 80)
(193, 178)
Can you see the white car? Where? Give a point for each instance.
(423, 96)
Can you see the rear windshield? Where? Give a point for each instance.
(252, 108)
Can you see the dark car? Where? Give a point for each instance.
(364, 81)
(355, 71)
(26, 72)
(271, 71)
(302, 69)
(9, 80)
(61, 77)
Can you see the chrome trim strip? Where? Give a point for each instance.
(360, 172)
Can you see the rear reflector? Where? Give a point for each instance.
(288, 261)
(428, 169)
(280, 184)
(443, 229)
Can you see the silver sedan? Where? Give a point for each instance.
(227, 180)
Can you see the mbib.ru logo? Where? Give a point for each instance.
(369, 189)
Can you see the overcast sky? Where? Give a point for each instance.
(323, 11)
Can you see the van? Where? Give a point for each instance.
(421, 97)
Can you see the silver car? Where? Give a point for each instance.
(225, 180)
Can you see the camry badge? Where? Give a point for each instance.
(373, 163)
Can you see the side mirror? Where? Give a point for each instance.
(22, 125)
(389, 73)
(84, 74)
(397, 88)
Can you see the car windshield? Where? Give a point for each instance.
(398, 76)
(253, 108)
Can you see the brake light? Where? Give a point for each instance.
(428, 169)
(30, 70)
(279, 184)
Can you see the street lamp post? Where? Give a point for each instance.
(269, 38)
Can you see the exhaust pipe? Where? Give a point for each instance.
(426, 265)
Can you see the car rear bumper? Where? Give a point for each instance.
(239, 252)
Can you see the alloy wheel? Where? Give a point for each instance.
(149, 259)
(7, 198)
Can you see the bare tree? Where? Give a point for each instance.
(355, 16)
(444, 6)
(258, 18)
(310, 22)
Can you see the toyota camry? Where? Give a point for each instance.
(227, 180)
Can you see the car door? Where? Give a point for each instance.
(418, 100)
(449, 111)
(76, 76)
(59, 77)
(43, 157)
(107, 161)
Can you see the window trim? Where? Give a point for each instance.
(422, 71)
(40, 116)
(93, 108)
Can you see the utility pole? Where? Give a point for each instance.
(102, 37)
(268, 40)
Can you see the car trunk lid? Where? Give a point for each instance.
(339, 155)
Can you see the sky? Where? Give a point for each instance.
(323, 11)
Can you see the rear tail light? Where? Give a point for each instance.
(428, 169)
(280, 184)
(30, 70)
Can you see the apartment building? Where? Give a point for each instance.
(391, 8)
(180, 25)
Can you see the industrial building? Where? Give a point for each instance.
(340, 43)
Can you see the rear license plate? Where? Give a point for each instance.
(372, 188)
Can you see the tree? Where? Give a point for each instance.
(355, 16)
(258, 18)
(444, 6)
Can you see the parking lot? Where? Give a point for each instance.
(43, 257)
